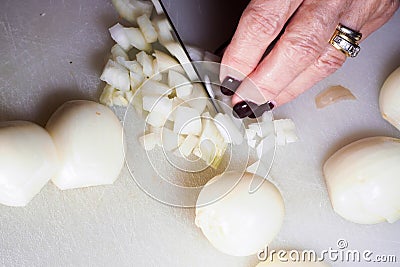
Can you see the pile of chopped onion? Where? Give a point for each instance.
(147, 58)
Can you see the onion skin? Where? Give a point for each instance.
(389, 99)
(363, 180)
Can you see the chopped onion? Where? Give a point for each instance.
(151, 87)
(118, 51)
(183, 87)
(146, 61)
(163, 29)
(187, 121)
(157, 104)
(188, 145)
(136, 80)
(198, 99)
(332, 95)
(118, 99)
(228, 129)
(177, 51)
(131, 9)
(165, 62)
(150, 141)
(285, 131)
(148, 31)
(116, 75)
(106, 97)
(136, 39)
(118, 34)
(156, 119)
(170, 139)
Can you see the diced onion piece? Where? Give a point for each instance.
(163, 29)
(177, 51)
(165, 62)
(151, 87)
(212, 144)
(183, 86)
(332, 95)
(187, 121)
(158, 104)
(129, 96)
(119, 99)
(133, 66)
(136, 80)
(118, 34)
(198, 99)
(146, 61)
(157, 75)
(131, 9)
(136, 39)
(252, 143)
(148, 31)
(250, 134)
(156, 130)
(156, 119)
(170, 139)
(188, 145)
(258, 168)
(118, 51)
(116, 75)
(285, 131)
(149, 141)
(106, 97)
(228, 129)
(266, 146)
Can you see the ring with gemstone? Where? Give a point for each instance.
(349, 32)
(345, 43)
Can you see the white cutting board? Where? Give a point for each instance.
(48, 59)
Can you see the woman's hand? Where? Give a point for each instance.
(303, 55)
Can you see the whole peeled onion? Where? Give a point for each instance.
(28, 160)
(89, 140)
(363, 180)
(389, 99)
(235, 220)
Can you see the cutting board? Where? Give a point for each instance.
(53, 51)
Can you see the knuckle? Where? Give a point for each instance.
(329, 63)
(263, 23)
(299, 47)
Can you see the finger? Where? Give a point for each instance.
(260, 23)
(332, 59)
(304, 40)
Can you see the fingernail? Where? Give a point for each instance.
(229, 86)
(244, 109)
(262, 109)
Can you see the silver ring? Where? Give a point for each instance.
(349, 32)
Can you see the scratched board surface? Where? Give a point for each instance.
(54, 51)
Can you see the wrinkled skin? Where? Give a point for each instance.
(303, 55)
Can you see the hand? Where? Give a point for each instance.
(303, 55)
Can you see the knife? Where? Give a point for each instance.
(195, 70)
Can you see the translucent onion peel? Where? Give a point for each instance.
(332, 95)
